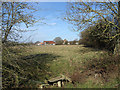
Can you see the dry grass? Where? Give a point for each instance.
(69, 55)
(36, 63)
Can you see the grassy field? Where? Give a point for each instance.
(63, 56)
(37, 63)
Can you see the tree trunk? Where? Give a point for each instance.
(117, 47)
(9, 28)
(7, 33)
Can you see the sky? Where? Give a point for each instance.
(53, 24)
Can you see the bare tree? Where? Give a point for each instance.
(86, 14)
(13, 14)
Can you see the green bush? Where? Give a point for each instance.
(98, 36)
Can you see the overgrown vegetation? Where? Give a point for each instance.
(101, 31)
(29, 66)
(95, 36)
(100, 68)
(21, 69)
(26, 65)
(88, 14)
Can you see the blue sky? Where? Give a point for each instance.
(55, 26)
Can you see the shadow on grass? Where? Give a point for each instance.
(40, 62)
(23, 71)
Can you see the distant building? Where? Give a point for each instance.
(49, 43)
(77, 43)
(68, 43)
(40, 43)
(73, 43)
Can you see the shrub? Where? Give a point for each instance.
(98, 36)
(106, 67)
(107, 63)
(20, 69)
